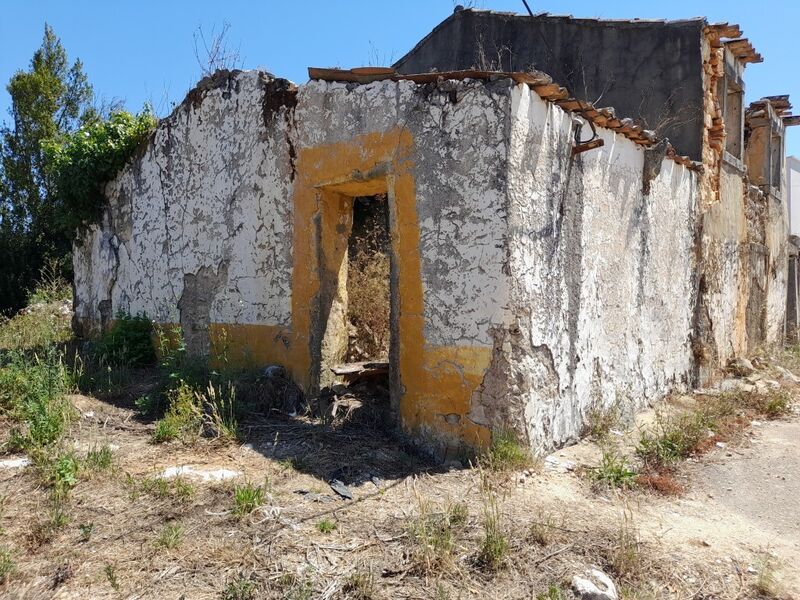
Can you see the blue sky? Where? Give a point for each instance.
(144, 51)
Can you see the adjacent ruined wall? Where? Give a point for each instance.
(601, 278)
(646, 70)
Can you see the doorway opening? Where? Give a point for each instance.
(369, 281)
(358, 342)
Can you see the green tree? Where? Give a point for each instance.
(48, 101)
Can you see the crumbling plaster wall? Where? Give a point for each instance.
(198, 225)
(459, 131)
(601, 277)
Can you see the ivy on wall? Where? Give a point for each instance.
(80, 163)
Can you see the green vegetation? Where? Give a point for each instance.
(506, 453)
(99, 458)
(614, 469)
(159, 487)
(434, 533)
(49, 100)
(129, 341)
(360, 586)
(171, 536)
(32, 388)
(494, 546)
(241, 588)
(80, 162)
(111, 576)
(7, 565)
(247, 498)
(86, 530)
(554, 592)
(194, 412)
(326, 526)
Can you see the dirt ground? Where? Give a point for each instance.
(740, 511)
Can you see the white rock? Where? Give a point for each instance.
(733, 385)
(200, 474)
(787, 374)
(596, 585)
(15, 463)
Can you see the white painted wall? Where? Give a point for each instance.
(601, 274)
(793, 193)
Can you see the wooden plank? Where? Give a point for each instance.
(596, 143)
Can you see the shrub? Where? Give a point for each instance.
(368, 287)
(31, 393)
(129, 342)
(80, 163)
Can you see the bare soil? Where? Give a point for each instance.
(741, 507)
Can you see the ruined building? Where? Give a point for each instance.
(547, 256)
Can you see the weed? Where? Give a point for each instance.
(766, 583)
(674, 438)
(99, 458)
(774, 404)
(434, 534)
(360, 586)
(171, 536)
(554, 592)
(159, 487)
(326, 526)
(541, 530)
(7, 565)
(602, 419)
(166, 430)
(296, 587)
(663, 483)
(149, 405)
(494, 546)
(241, 588)
(614, 469)
(86, 530)
(247, 498)
(65, 473)
(624, 555)
(31, 394)
(506, 453)
(111, 576)
(129, 341)
(192, 413)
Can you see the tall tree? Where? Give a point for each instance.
(49, 100)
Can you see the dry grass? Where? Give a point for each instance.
(368, 305)
(119, 529)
